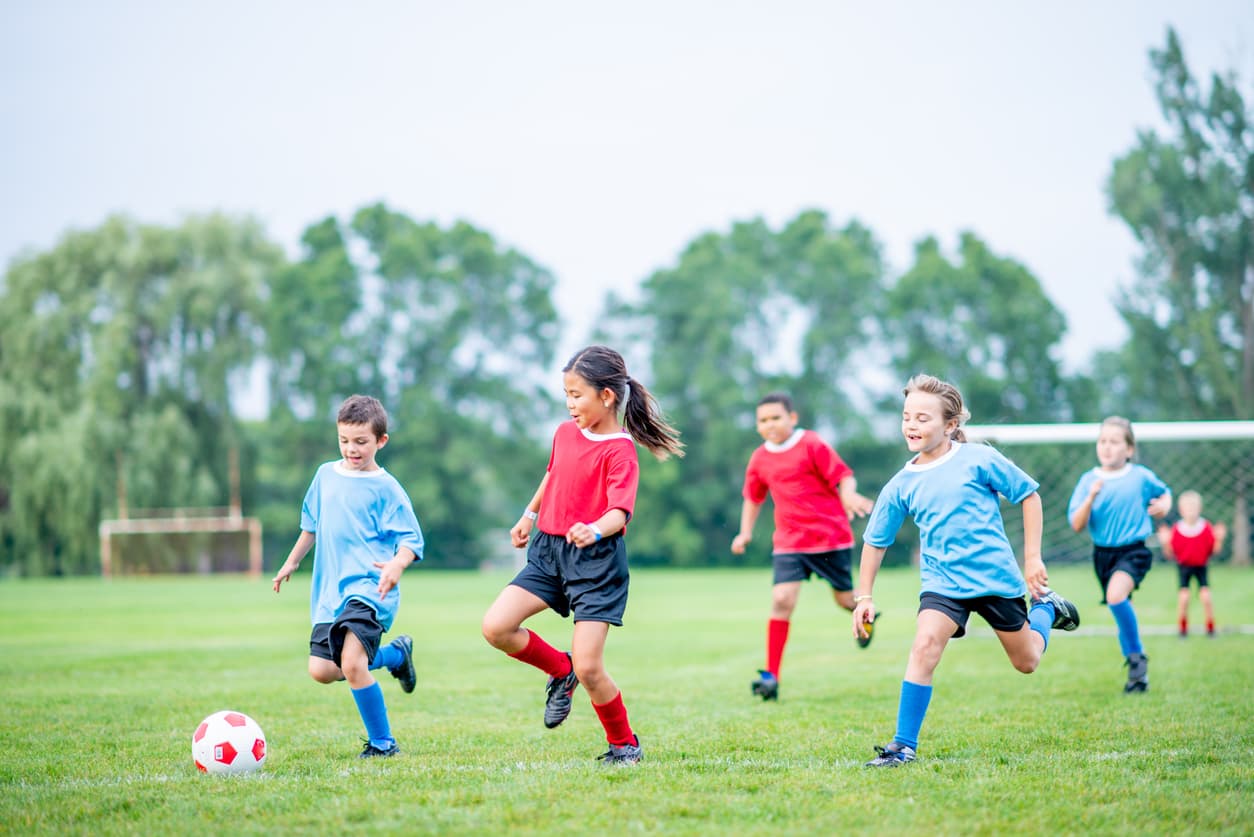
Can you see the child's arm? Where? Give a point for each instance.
(748, 519)
(390, 574)
(1163, 532)
(521, 533)
(1160, 505)
(1081, 517)
(1221, 534)
(853, 502)
(864, 607)
(1033, 564)
(299, 550)
(586, 534)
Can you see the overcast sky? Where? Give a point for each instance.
(600, 139)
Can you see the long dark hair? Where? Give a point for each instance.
(604, 368)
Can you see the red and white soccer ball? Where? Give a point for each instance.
(228, 742)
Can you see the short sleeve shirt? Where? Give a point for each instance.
(1119, 516)
(589, 474)
(801, 475)
(1192, 545)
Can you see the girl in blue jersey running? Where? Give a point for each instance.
(1115, 501)
(951, 490)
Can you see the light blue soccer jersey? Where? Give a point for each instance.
(953, 501)
(357, 517)
(1119, 515)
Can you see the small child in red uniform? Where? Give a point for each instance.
(577, 562)
(814, 492)
(1191, 542)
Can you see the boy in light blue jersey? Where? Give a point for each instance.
(366, 534)
(1115, 501)
(967, 564)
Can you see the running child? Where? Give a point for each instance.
(1115, 501)
(366, 535)
(1190, 543)
(577, 562)
(813, 491)
(950, 489)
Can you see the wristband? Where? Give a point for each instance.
(529, 514)
(596, 530)
(865, 598)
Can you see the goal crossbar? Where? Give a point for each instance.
(1146, 431)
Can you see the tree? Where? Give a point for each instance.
(984, 324)
(1188, 197)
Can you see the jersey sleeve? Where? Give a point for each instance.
(755, 487)
(1007, 478)
(887, 515)
(309, 507)
(399, 524)
(1077, 496)
(1152, 486)
(622, 478)
(827, 461)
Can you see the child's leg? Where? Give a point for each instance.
(324, 670)
(1182, 608)
(502, 628)
(1208, 608)
(930, 638)
(1025, 646)
(588, 651)
(1117, 591)
(366, 692)
(783, 602)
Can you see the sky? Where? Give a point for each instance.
(599, 139)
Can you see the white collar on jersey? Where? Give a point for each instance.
(927, 466)
(603, 437)
(787, 444)
(1115, 474)
(1191, 531)
(344, 471)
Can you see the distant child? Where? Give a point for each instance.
(950, 489)
(366, 535)
(812, 489)
(1115, 501)
(577, 562)
(1190, 543)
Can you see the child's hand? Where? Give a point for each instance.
(1035, 575)
(1164, 535)
(390, 573)
(857, 505)
(581, 535)
(1094, 488)
(1159, 506)
(521, 533)
(739, 543)
(863, 613)
(284, 573)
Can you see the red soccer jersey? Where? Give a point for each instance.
(1192, 545)
(589, 474)
(801, 476)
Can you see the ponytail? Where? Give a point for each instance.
(643, 419)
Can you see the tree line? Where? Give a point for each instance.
(126, 351)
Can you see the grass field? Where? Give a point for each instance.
(104, 682)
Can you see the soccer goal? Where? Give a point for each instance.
(1214, 458)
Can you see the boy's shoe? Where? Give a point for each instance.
(766, 686)
(622, 755)
(1138, 673)
(1066, 616)
(405, 671)
(370, 751)
(863, 642)
(557, 704)
(891, 755)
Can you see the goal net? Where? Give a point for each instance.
(1213, 458)
(177, 540)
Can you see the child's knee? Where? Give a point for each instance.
(1027, 664)
(495, 631)
(589, 672)
(324, 671)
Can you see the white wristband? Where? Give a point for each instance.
(529, 514)
(596, 530)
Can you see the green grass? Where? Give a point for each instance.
(104, 682)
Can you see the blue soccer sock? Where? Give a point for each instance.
(910, 712)
(389, 656)
(1129, 633)
(374, 713)
(1041, 620)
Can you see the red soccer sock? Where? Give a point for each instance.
(1184, 626)
(613, 717)
(1210, 626)
(543, 656)
(776, 639)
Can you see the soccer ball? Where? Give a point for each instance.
(228, 742)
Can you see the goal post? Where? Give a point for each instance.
(179, 522)
(1213, 458)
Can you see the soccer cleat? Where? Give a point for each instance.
(863, 642)
(1138, 673)
(405, 671)
(766, 686)
(1066, 616)
(557, 704)
(370, 751)
(891, 755)
(622, 755)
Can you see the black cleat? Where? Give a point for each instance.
(622, 755)
(891, 755)
(370, 751)
(766, 686)
(1066, 616)
(869, 627)
(1138, 673)
(405, 671)
(557, 704)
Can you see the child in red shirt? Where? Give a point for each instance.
(813, 491)
(577, 562)
(1191, 542)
